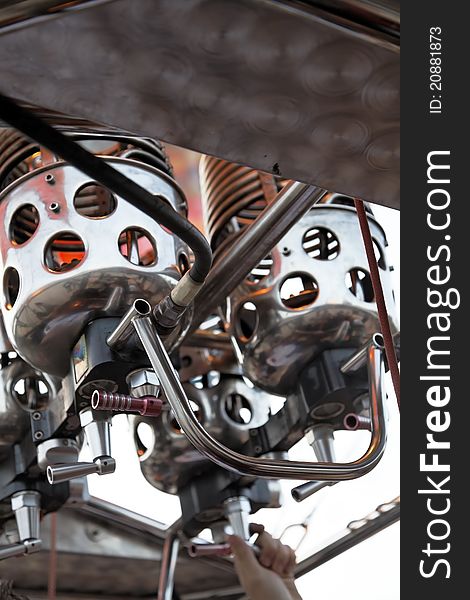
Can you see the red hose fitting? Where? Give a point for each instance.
(147, 406)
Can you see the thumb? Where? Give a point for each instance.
(245, 559)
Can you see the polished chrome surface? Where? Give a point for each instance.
(104, 465)
(143, 382)
(57, 450)
(234, 196)
(52, 308)
(97, 428)
(359, 358)
(353, 422)
(285, 334)
(14, 418)
(26, 506)
(222, 400)
(237, 511)
(284, 329)
(124, 329)
(183, 77)
(14, 550)
(5, 344)
(321, 438)
(255, 242)
(247, 465)
(11, 550)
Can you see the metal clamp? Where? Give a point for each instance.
(258, 467)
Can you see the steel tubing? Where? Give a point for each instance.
(259, 467)
(168, 563)
(252, 245)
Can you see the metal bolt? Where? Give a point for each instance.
(50, 179)
(36, 416)
(54, 207)
(286, 251)
(38, 435)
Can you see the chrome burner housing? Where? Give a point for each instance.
(225, 405)
(312, 293)
(296, 305)
(64, 263)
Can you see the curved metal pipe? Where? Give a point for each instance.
(258, 467)
(123, 331)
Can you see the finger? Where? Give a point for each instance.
(265, 539)
(281, 560)
(290, 568)
(256, 528)
(269, 548)
(245, 559)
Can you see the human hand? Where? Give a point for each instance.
(271, 575)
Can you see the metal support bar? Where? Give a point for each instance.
(259, 467)
(252, 245)
(168, 564)
(351, 539)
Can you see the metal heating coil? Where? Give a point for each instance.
(311, 293)
(19, 156)
(234, 196)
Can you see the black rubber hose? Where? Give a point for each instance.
(41, 132)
